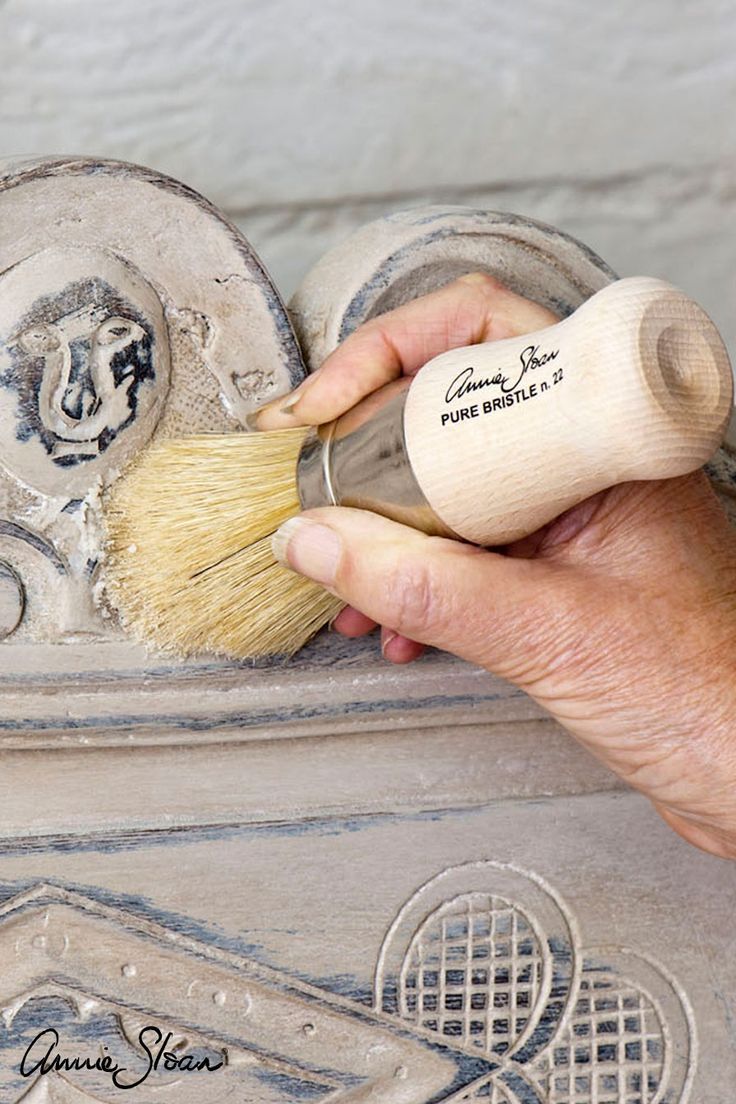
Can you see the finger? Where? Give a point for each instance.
(397, 648)
(471, 309)
(633, 528)
(558, 536)
(394, 647)
(351, 622)
(488, 608)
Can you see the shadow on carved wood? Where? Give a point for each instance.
(482, 991)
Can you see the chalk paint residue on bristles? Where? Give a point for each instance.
(189, 561)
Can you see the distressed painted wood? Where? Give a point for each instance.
(330, 878)
(407, 254)
(482, 949)
(129, 308)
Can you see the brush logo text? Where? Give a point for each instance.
(513, 388)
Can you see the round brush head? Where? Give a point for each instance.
(189, 565)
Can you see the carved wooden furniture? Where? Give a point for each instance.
(333, 878)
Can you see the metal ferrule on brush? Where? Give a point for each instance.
(361, 460)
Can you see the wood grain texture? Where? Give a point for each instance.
(505, 437)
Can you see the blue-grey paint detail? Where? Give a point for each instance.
(417, 217)
(26, 172)
(291, 1088)
(141, 907)
(724, 470)
(130, 367)
(342, 985)
(82, 1038)
(183, 836)
(523, 1092)
(327, 649)
(75, 1037)
(255, 952)
(469, 1070)
(18, 532)
(252, 719)
(358, 309)
(103, 1029)
(285, 982)
(549, 1023)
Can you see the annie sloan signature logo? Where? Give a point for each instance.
(42, 1056)
(466, 382)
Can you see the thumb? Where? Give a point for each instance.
(487, 608)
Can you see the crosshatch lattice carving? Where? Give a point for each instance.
(482, 992)
(474, 972)
(612, 1050)
(504, 974)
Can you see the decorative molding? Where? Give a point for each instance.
(487, 957)
(409, 253)
(482, 990)
(56, 941)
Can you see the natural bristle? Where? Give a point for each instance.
(189, 561)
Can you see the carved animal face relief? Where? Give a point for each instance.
(130, 308)
(84, 367)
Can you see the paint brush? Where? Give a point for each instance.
(484, 444)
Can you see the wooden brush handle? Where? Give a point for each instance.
(502, 437)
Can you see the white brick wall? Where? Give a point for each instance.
(305, 118)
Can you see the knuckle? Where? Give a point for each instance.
(483, 281)
(413, 600)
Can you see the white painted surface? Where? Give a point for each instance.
(613, 121)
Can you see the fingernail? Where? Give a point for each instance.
(308, 547)
(284, 405)
(386, 639)
(253, 420)
(477, 278)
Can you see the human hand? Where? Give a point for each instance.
(618, 617)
